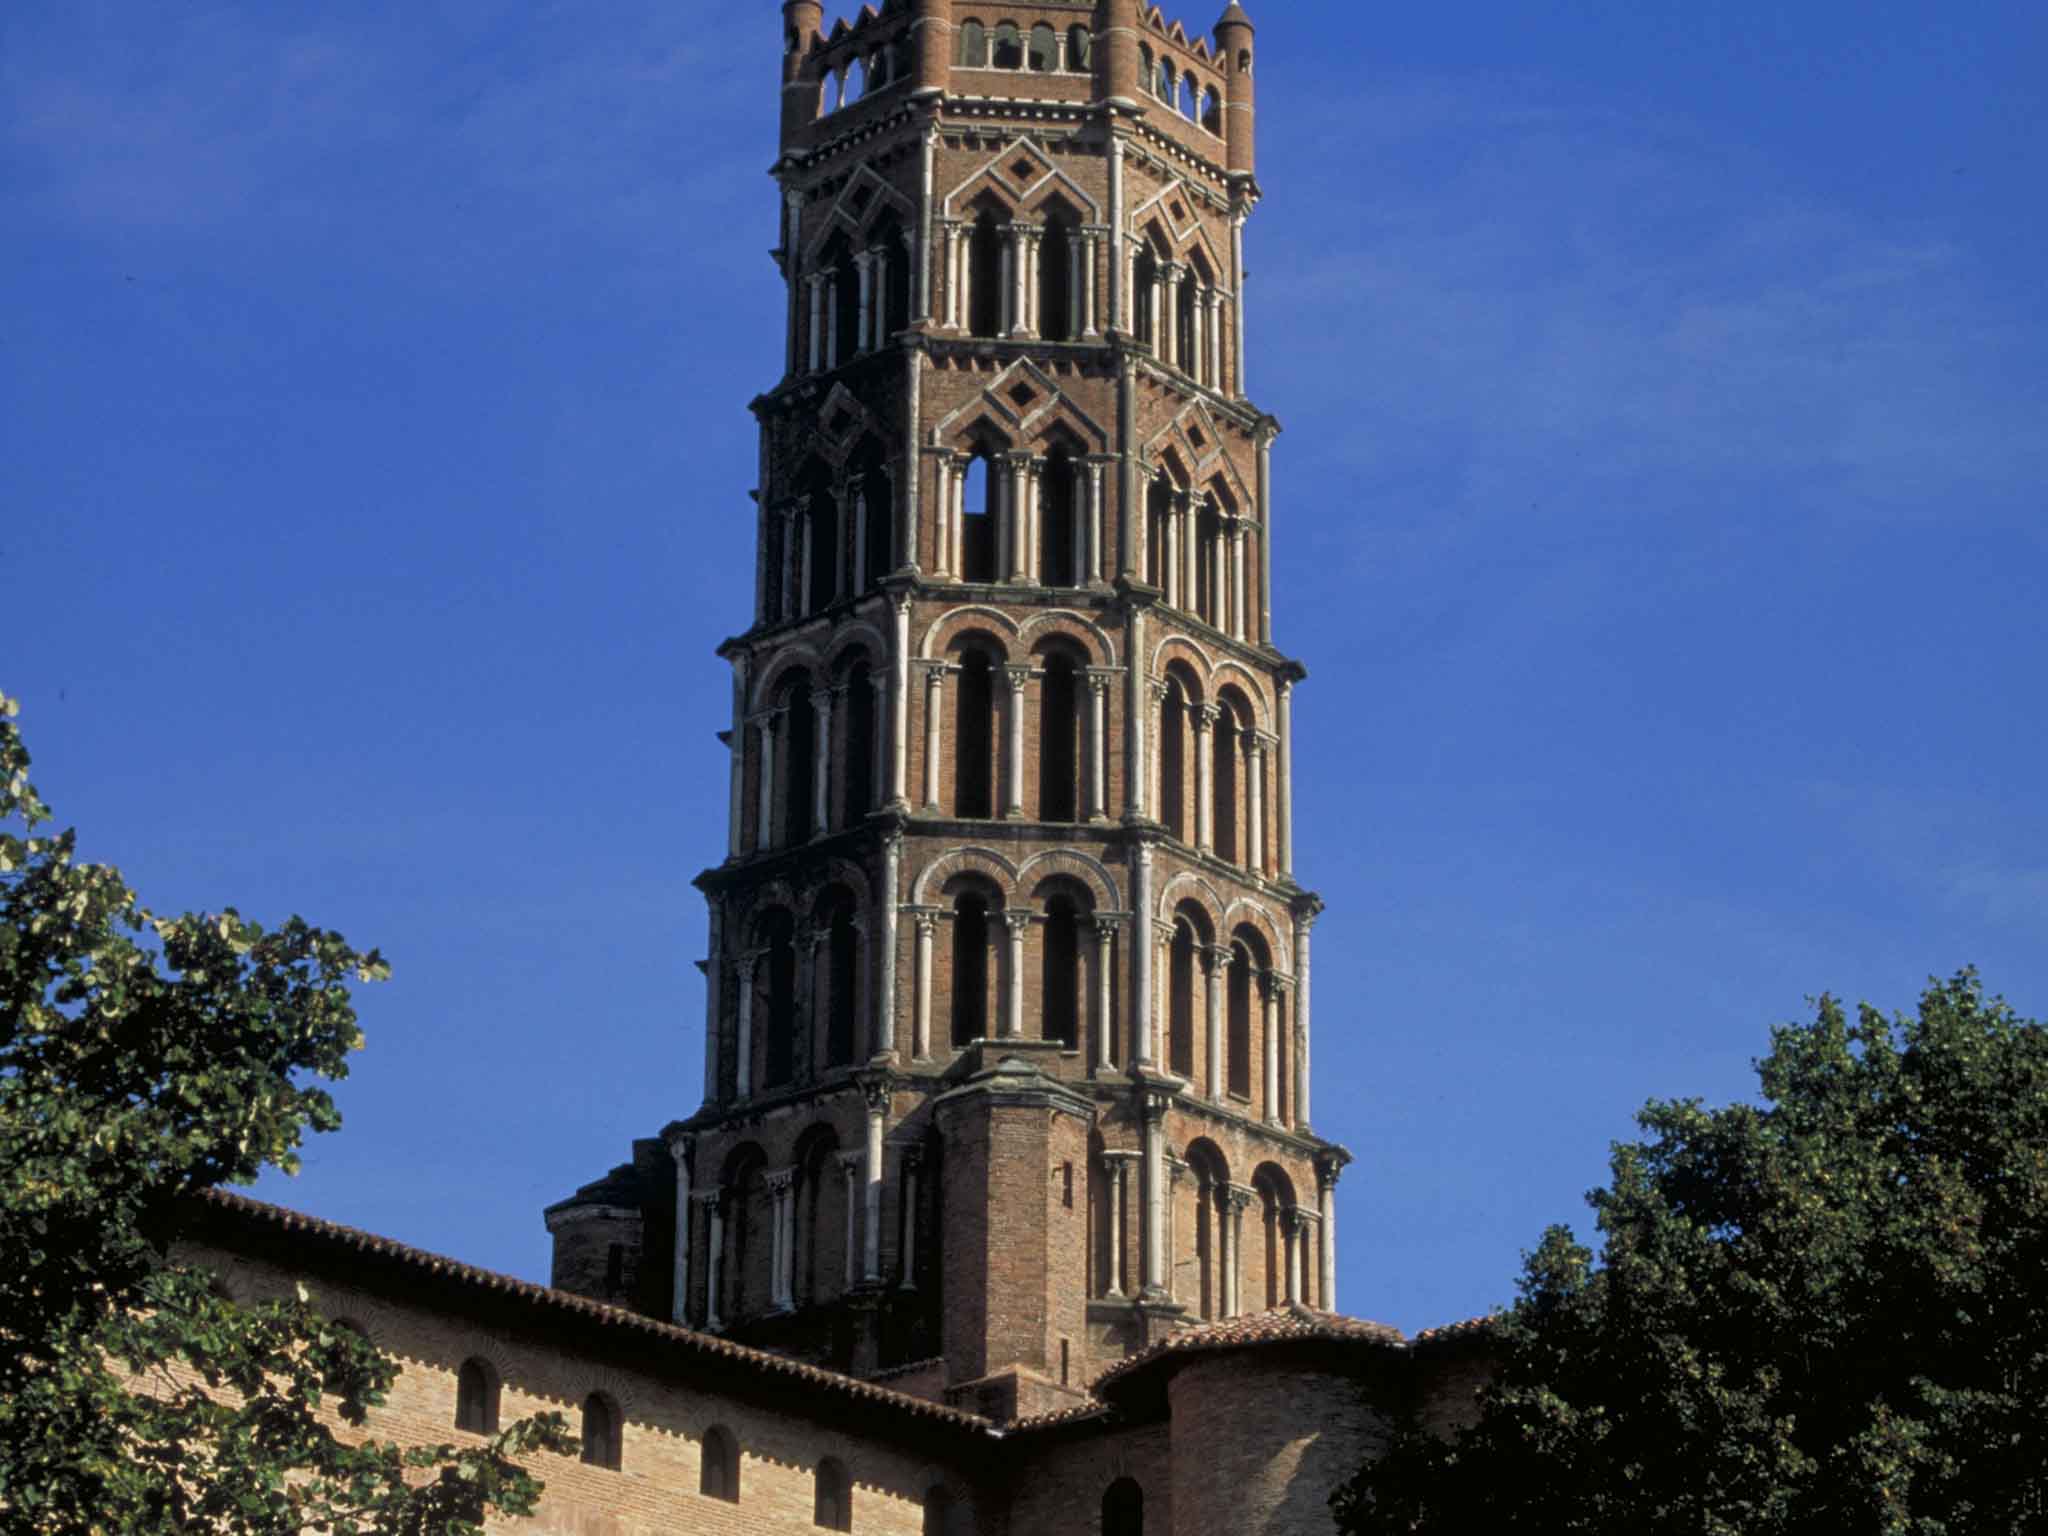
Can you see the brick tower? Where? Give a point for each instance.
(1007, 1039)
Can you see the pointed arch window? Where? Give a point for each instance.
(985, 275)
(1059, 532)
(978, 520)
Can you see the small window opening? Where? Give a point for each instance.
(600, 1433)
(719, 1475)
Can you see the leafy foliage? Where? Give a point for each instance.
(143, 1060)
(1827, 1312)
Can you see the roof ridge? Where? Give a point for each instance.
(283, 1217)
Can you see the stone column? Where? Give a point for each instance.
(1198, 338)
(1119, 1167)
(1171, 566)
(679, 1293)
(871, 1256)
(921, 1038)
(1236, 1201)
(736, 741)
(781, 1186)
(1217, 973)
(1013, 281)
(1302, 922)
(1141, 961)
(1160, 1026)
(1255, 797)
(1290, 1248)
(906, 1253)
(898, 733)
(743, 1044)
(1215, 335)
(821, 763)
(1091, 306)
(1205, 772)
(792, 559)
(1237, 277)
(1105, 970)
(885, 992)
(1153, 734)
(934, 715)
(1327, 1170)
(863, 262)
(764, 805)
(714, 997)
(832, 357)
(1155, 1200)
(850, 1165)
(1018, 528)
(1013, 730)
(1270, 1021)
(1219, 584)
(1190, 551)
(817, 348)
(1150, 298)
(713, 1201)
(1077, 304)
(1013, 1009)
(951, 267)
(1093, 573)
(1237, 589)
(1098, 745)
(857, 498)
(1169, 333)
(1284, 787)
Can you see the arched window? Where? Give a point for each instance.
(1225, 748)
(600, 1432)
(860, 707)
(847, 340)
(985, 275)
(1163, 85)
(1186, 105)
(970, 969)
(1045, 48)
(974, 737)
(1158, 508)
(1007, 46)
(1243, 969)
(832, 1500)
(1080, 48)
(1181, 1000)
(718, 1476)
(1144, 280)
(1059, 740)
(972, 51)
(821, 533)
(842, 951)
(1173, 754)
(978, 521)
(1058, 520)
(1061, 972)
(1123, 1509)
(798, 768)
(1212, 110)
(777, 979)
(1056, 278)
(476, 1398)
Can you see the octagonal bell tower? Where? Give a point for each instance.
(1006, 1070)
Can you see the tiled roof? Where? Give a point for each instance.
(1073, 1413)
(1471, 1327)
(1286, 1324)
(277, 1219)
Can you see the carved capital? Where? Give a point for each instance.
(1017, 923)
(779, 1181)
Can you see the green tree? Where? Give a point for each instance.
(1826, 1312)
(143, 1060)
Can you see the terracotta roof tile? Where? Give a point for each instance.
(1285, 1324)
(1471, 1327)
(296, 1223)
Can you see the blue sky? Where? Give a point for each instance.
(1660, 514)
